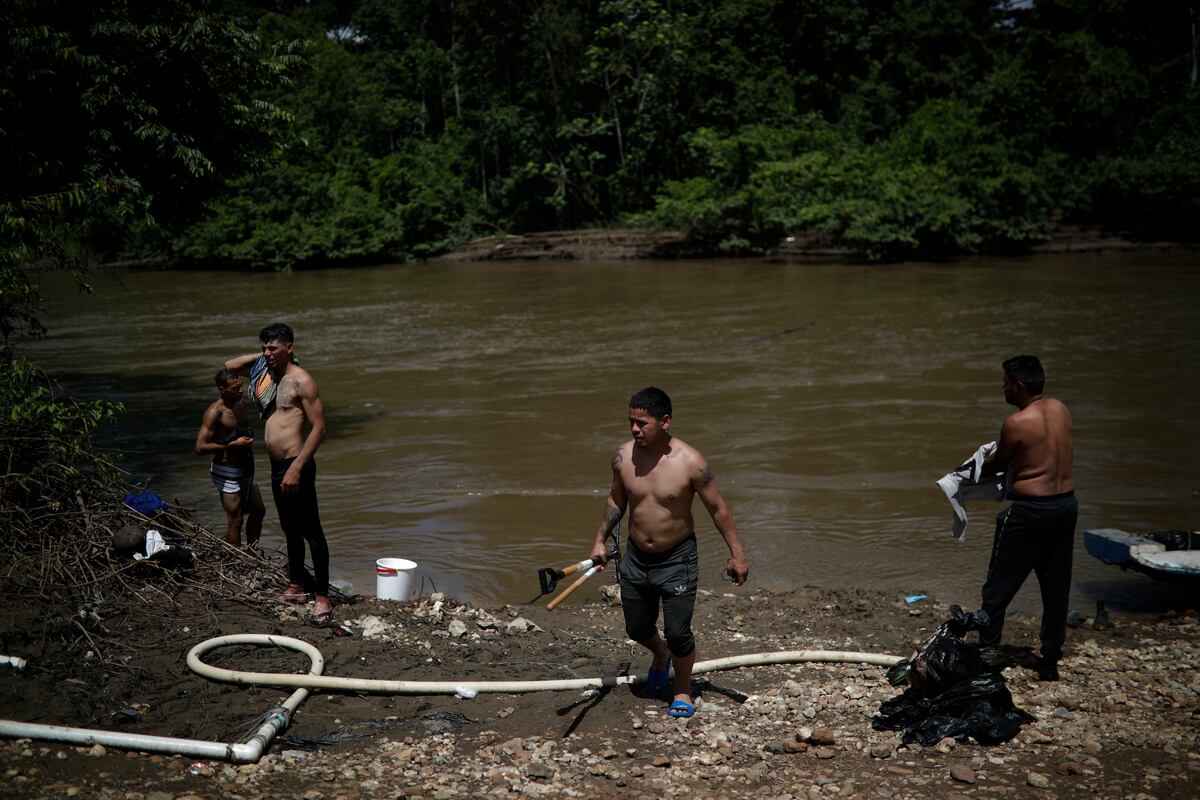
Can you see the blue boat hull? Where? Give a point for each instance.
(1171, 556)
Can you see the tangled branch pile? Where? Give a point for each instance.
(61, 500)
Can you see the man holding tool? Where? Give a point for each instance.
(656, 476)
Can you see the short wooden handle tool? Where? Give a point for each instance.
(578, 582)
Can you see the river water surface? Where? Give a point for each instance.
(473, 407)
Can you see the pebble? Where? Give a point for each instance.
(962, 773)
(824, 752)
(881, 751)
(822, 736)
(521, 625)
(1037, 780)
(662, 761)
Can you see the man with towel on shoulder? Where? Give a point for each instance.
(287, 397)
(1036, 532)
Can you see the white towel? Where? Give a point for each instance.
(967, 483)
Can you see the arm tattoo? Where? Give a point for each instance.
(616, 460)
(706, 477)
(612, 518)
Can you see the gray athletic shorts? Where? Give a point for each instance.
(669, 579)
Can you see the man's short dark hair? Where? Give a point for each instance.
(1028, 370)
(223, 377)
(276, 332)
(653, 401)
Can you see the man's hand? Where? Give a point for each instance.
(241, 441)
(738, 570)
(599, 553)
(291, 479)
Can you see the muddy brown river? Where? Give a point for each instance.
(473, 407)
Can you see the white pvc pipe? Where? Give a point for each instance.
(241, 752)
(16, 662)
(252, 750)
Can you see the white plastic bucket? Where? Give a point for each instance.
(394, 578)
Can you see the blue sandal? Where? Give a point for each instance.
(658, 682)
(681, 709)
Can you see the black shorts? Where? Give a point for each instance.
(670, 579)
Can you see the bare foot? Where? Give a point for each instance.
(295, 594)
(322, 609)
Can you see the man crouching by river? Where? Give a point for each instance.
(656, 476)
(226, 436)
(1036, 532)
(287, 397)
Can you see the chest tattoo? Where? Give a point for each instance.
(287, 390)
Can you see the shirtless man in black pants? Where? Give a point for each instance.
(1037, 532)
(656, 476)
(287, 398)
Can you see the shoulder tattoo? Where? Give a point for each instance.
(706, 476)
(616, 460)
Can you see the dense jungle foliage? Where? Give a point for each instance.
(899, 128)
(113, 114)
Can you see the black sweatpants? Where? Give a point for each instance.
(301, 522)
(1033, 534)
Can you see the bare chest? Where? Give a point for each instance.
(662, 485)
(230, 418)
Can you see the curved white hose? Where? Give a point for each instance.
(278, 718)
(241, 752)
(380, 686)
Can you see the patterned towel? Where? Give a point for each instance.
(263, 386)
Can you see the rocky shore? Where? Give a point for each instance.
(1123, 722)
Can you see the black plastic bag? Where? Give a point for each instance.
(952, 692)
(981, 708)
(944, 659)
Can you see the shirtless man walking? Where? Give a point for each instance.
(656, 476)
(225, 435)
(287, 397)
(1036, 532)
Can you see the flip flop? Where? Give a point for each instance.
(323, 618)
(658, 681)
(293, 597)
(681, 709)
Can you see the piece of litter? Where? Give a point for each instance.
(914, 598)
(464, 692)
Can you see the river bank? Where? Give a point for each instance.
(645, 243)
(625, 243)
(1121, 723)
